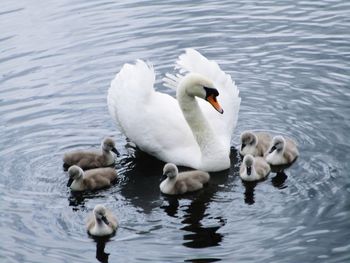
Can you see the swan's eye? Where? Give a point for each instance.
(211, 92)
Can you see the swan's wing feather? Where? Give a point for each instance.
(150, 119)
(137, 90)
(193, 61)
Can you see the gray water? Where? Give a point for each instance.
(290, 60)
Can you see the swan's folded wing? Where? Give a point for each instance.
(193, 61)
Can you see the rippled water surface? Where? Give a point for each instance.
(291, 62)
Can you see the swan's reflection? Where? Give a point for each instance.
(249, 192)
(142, 173)
(77, 199)
(140, 183)
(172, 207)
(200, 236)
(279, 179)
(101, 255)
(196, 234)
(203, 260)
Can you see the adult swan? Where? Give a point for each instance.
(186, 131)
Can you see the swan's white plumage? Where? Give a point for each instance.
(154, 120)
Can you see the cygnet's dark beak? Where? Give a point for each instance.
(104, 219)
(115, 151)
(249, 170)
(242, 146)
(70, 181)
(272, 149)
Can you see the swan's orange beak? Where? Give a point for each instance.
(212, 100)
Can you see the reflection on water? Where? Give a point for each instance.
(201, 236)
(203, 260)
(101, 255)
(141, 175)
(173, 204)
(279, 179)
(249, 192)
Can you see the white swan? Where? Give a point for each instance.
(186, 131)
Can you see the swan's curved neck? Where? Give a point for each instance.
(201, 129)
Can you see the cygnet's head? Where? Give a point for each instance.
(100, 214)
(170, 170)
(75, 172)
(196, 85)
(248, 161)
(248, 138)
(277, 143)
(109, 145)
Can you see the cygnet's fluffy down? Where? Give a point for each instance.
(180, 183)
(92, 159)
(101, 222)
(254, 143)
(282, 151)
(254, 168)
(93, 179)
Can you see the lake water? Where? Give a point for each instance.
(291, 62)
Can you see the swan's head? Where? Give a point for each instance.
(100, 214)
(248, 138)
(248, 161)
(109, 145)
(75, 173)
(170, 170)
(277, 144)
(196, 85)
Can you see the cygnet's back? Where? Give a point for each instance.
(180, 183)
(91, 179)
(92, 159)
